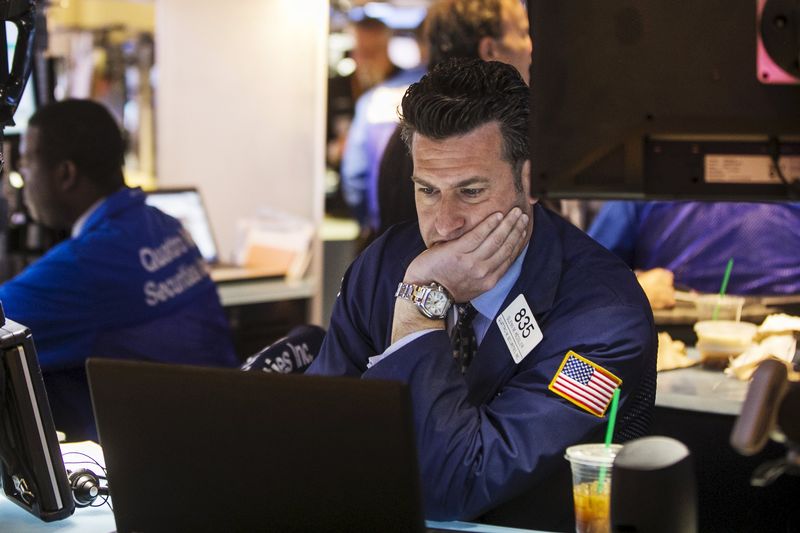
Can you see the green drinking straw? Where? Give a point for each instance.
(723, 288)
(612, 419)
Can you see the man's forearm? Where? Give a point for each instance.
(408, 319)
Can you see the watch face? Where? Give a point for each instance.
(437, 303)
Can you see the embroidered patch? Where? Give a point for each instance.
(584, 383)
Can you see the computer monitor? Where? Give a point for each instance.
(664, 99)
(32, 470)
(28, 103)
(187, 205)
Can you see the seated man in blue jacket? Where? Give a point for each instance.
(558, 322)
(690, 243)
(129, 283)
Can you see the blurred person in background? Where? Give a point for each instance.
(372, 66)
(688, 244)
(374, 121)
(129, 283)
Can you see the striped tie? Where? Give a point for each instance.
(462, 338)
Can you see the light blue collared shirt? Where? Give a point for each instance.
(487, 304)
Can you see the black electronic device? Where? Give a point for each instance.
(28, 101)
(31, 468)
(22, 13)
(86, 487)
(254, 451)
(660, 100)
(653, 487)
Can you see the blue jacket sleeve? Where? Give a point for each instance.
(616, 228)
(348, 345)
(53, 298)
(355, 162)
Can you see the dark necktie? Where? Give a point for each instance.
(462, 338)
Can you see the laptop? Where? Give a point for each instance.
(206, 449)
(186, 204)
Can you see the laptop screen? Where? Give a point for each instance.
(187, 206)
(210, 449)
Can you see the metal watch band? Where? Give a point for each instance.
(406, 291)
(419, 296)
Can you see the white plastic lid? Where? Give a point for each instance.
(593, 454)
(725, 331)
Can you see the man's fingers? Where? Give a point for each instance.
(505, 236)
(475, 237)
(474, 262)
(500, 249)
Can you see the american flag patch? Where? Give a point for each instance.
(584, 383)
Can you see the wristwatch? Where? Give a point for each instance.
(432, 300)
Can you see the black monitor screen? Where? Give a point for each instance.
(665, 99)
(28, 102)
(32, 471)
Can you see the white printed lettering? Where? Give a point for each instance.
(186, 277)
(170, 250)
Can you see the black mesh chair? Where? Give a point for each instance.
(635, 420)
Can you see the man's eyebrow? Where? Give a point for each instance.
(468, 182)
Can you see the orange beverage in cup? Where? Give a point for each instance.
(592, 506)
(591, 485)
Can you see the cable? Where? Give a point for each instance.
(89, 457)
(92, 460)
(774, 151)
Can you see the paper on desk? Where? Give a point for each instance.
(780, 347)
(672, 354)
(86, 454)
(778, 324)
(274, 241)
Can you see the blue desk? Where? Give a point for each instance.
(86, 520)
(101, 520)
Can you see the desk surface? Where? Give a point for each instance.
(86, 520)
(262, 290)
(101, 520)
(756, 308)
(700, 390)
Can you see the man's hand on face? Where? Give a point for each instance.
(467, 266)
(474, 262)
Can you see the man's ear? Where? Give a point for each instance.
(67, 175)
(526, 181)
(487, 49)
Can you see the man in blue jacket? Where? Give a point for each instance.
(556, 313)
(129, 283)
(690, 243)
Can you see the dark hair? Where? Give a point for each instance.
(371, 24)
(455, 27)
(85, 133)
(460, 95)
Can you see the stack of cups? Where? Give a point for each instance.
(719, 307)
(591, 485)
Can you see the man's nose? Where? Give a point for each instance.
(449, 219)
